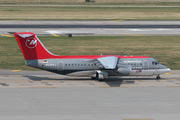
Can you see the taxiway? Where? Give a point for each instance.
(92, 28)
(42, 95)
(26, 79)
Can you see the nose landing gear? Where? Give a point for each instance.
(158, 77)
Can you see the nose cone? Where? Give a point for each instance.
(168, 70)
(164, 69)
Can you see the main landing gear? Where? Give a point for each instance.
(158, 77)
(94, 78)
(100, 80)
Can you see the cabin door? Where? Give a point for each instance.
(145, 65)
(60, 65)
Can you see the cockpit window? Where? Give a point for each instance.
(154, 63)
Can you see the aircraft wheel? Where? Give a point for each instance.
(94, 78)
(158, 77)
(101, 80)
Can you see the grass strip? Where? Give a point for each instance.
(88, 13)
(96, 2)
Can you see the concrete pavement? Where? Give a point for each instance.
(92, 28)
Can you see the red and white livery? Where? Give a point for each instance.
(95, 66)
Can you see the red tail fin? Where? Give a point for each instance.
(31, 47)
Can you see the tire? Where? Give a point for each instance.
(94, 78)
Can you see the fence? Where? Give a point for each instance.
(83, 1)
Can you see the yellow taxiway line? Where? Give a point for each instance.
(54, 35)
(15, 70)
(6, 35)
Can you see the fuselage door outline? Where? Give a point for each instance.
(60, 65)
(145, 65)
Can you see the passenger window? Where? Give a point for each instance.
(69, 64)
(140, 63)
(65, 64)
(131, 63)
(88, 64)
(128, 63)
(75, 64)
(134, 63)
(84, 64)
(91, 64)
(81, 64)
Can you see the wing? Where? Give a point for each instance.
(108, 62)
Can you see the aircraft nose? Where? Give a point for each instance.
(166, 69)
(163, 69)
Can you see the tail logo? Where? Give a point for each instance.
(31, 43)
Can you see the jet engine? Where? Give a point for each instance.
(100, 75)
(124, 70)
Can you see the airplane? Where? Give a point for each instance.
(98, 67)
